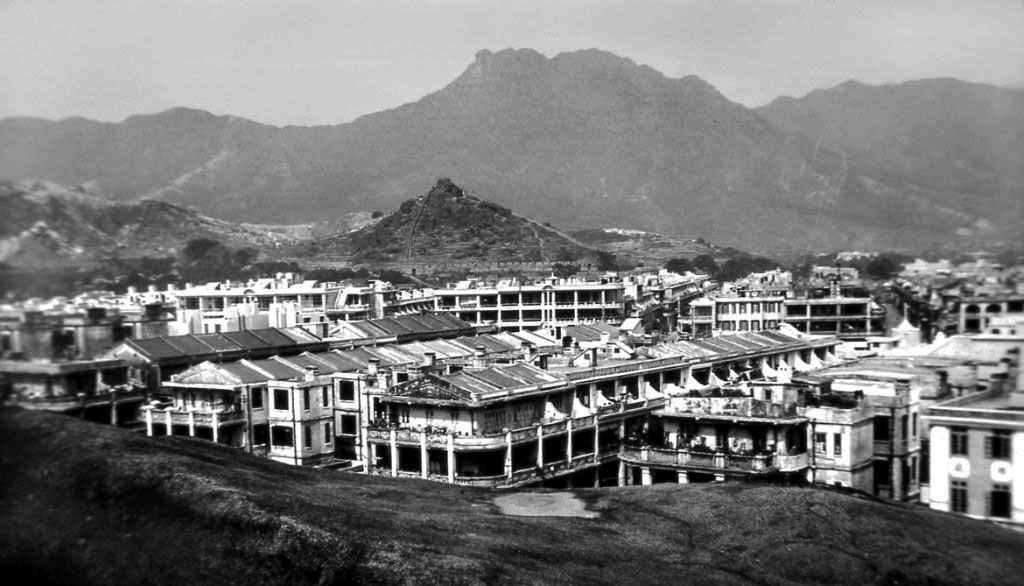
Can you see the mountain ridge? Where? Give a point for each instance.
(583, 139)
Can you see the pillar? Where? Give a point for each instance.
(167, 421)
(191, 424)
(622, 473)
(216, 427)
(719, 477)
(424, 459)
(683, 478)
(113, 408)
(149, 422)
(568, 442)
(394, 452)
(540, 445)
(645, 476)
(451, 458)
(508, 455)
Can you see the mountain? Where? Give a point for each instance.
(447, 223)
(45, 223)
(963, 142)
(583, 140)
(89, 504)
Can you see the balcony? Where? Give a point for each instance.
(734, 462)
(730, 407)
(202, 418)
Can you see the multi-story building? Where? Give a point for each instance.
(735, 312)
(977, 454)
(493, 410)
(846, 317)
(518, 305)
(287, 301)
(736, 431)
(894, 396)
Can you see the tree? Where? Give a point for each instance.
(882, 267)
(679, 265)
(705, 263)
(564, 270)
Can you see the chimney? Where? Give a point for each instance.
(605, 338)
(593, 358)
(429, 359)
(542, 361)
(480, 357)
(151, 289)
(527, 350)
(372, 366)
(310, 374)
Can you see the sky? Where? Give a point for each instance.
(311, 62)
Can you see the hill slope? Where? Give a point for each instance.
(448, 223)
(584, 140)
(961, 140)
(92, 504)
(46, 223)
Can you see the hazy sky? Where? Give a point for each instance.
(326, 62)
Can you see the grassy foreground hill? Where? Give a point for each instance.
(81, 503)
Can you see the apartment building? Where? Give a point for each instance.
(515, 304)
(287, 301)
(734, 312)
(977, 454)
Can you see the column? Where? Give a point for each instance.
(1017, 486)
(508, 455)
(424, 459)
(191, 424)
(451, 458)
(167, 421)
(113, 408)
(216, 427)
(683, 478)
(568, 441)
(394, 452)
(622, 473)
(645, 476)
(540, 445)
(149, 421)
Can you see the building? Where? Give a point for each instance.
(734, 312)
(977, 453)
(375, 332)
(288, 301)
(154, 360)
(553, 302)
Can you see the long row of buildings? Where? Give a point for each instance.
(440, 398)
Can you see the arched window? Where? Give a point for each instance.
(972, 308)
(993, 308)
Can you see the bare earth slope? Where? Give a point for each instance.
(89, 504)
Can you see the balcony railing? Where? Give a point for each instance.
(201, 418)
(753, 463)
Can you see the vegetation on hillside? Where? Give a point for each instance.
(88, 504)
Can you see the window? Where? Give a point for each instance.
(997, 445)
(881, 428)
(282, 436)
(743, 307)
(744, 325)
(913, 425)
(913, 469)
(755, 308)
(348, 425)
(1000, 501)
(326, 392)
(307, 437)
(260, 434)
(429, 414)
(958, 441)
(281, 399)
(328, 438)
(958, 496)
(455, 416)
(903, 428)
(723, 308)
(837, 444)
(820, 440)
(305, 399)
(256, 398)
(347, 390)
(404, 414)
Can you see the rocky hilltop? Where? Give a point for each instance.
(450, 224)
